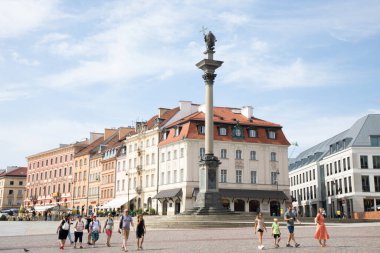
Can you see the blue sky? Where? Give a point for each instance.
(71, 67)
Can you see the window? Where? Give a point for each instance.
(313, 174)
(253, 177)
(238, 176)
(364, 162)
(147, 181)
(181, 175)
(223, 153)
(271, 134)
(344, 164)
(223, 176)
(237, 132)
(345, 185)
(335, 168)
(375, 140)
(169, 156)
(162, 178)
(273, 157)
(182, 152)
(10, 192)
(202, 152)
(162, 157)
(168, 179)
(20, 183)
(177, 131)
(222, 131)
(238, 154)
(365, 184)
(349, 184)
(252, 133)
(118, 185)
(376, 161)
(252, 155)
(348, 163)
(339, 167)
(175, 176)
(327, 170)
(11, 182)
(315, 191)
(175, 154)
(123, 184)
(152, 180)
(377, 183)
(201, 129)
(273, 177)
(153, 158)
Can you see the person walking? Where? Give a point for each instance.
(276, 232)
(63, 231)
(69, 234)
(290, 217)
(321, 233)
(95, 230)
(259, 228)
(125, 224)
(108, 227)
(87, 227)
(140, 231)
(78, 232)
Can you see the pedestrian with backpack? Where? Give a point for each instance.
(95, 229)
(78, 232)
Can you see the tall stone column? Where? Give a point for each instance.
(208, 199)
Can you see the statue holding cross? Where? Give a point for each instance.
(210, 41)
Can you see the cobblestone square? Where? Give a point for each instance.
(40, 237)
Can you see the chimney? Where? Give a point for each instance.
(123, 131)
(108, 132)
(247, 111)
(94, 136)
(162, 111)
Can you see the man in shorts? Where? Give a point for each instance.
(289, 217)
(124, 227)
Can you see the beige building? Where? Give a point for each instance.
(12, 187)
(81, 173)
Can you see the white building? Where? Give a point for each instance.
(253, 173)
(341, 173)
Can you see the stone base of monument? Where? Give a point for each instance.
(208, 203)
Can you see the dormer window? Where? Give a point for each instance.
(201, 129)
(237, 132)
(272, 134)
(223, 131)
(165, 135)
(252, 133)
(177, 131)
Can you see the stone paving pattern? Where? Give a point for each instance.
(40, 237)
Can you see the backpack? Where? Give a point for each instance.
(65, 226)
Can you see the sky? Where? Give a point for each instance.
(68, 68)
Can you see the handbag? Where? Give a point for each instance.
(65, 226)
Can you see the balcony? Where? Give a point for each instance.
(139, 169)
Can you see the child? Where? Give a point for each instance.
(276, 232)
(140, 231)
(259, 227)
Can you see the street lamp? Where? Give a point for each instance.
(98, 204)
(73, 195)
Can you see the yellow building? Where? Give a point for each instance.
(12, 187)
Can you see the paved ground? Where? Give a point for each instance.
(40, 237)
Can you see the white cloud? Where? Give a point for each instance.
(9, 92)
(22, 16)
(233, 19)
(22, 60)
(21, 141)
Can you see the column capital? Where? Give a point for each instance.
(209, 78)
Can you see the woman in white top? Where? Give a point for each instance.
(259, 228)
(78, 232)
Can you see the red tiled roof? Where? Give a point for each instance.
(225, 116)
(19, 172)
(87, 150)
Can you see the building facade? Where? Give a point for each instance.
(340, 174)
(50, 177)
(253, 174)
(12, 187)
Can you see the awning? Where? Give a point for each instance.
(251, 194)
(177, 192)
(42, 208)
(116, 202)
